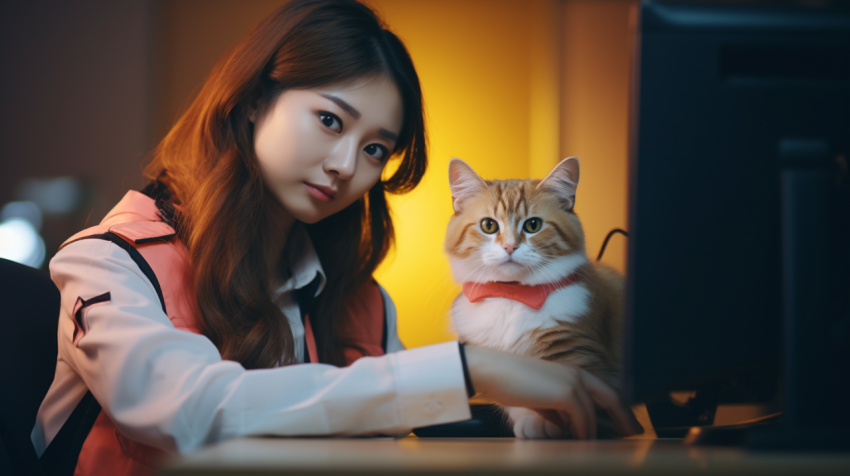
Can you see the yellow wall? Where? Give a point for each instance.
(510, 86)
(473, 62)
(595, 111)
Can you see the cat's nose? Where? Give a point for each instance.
(510, 248)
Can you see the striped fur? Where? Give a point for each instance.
(578, 325)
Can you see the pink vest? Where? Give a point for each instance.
(136, 220)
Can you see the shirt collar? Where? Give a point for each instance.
(304, 265)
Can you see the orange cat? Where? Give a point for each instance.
(528, 287)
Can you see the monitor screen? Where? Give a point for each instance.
(720, 93)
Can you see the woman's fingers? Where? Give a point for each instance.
(579, 406)
(556, 423)
(578, 417)
(523, 381)
(537, 427)
(551, 430)
(557, 418)
(606, 398)
(588, 406)
(566, 422)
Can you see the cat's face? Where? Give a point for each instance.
(514, 230)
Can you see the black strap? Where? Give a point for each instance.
(78, 316)
(384, 336)
(470, 390)
(305, 297)
(60, 457)
(134, 254)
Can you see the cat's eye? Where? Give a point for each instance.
(489, 226)
(331, 121)
(532, 225)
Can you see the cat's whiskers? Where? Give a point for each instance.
(548, 275)
(476, 282)
(579, 270)
(474, 270)
(433, 290)
(483, 270)
(446, 276)
(536, 269)
(481, 265)
(540, 269)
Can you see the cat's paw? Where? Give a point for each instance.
(529, 424)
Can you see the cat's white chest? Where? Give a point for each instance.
(501, 323)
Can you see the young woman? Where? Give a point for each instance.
(185, 311)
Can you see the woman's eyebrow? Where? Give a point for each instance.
(344, 105)
(389, 135)
(356, 114)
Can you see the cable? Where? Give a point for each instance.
(605, 243)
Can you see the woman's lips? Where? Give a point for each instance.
(320, 192)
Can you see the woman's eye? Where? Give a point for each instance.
(489, 226)
(532, 225)
(377, 151)
(331, 121)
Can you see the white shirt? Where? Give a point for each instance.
(304, 266)
(170, 388)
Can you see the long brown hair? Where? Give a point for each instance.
(208, 164)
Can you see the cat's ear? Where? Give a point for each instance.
(464, 182)
(562, 181)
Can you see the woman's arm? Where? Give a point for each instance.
(566, 396)
(170, 388)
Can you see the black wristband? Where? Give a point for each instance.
(470, 391)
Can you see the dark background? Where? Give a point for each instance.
(88, 88)
(75, 97)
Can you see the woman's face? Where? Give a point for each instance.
(321, 149)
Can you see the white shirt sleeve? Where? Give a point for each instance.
(170, 388)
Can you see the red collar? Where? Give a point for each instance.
(531, 296)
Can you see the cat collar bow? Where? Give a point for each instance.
(532, 296)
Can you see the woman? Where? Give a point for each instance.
(253, 249)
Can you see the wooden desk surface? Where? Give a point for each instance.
(501, 456)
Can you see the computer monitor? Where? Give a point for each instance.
(737, 255)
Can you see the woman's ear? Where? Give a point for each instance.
(464, 182)
(562, 181)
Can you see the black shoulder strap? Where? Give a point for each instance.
(385, 331)
(305, 297)
(60, 457)
(134, 254)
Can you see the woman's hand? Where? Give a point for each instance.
(564, 395)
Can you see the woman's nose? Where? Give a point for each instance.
(342, 161)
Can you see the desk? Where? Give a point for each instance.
(502, 456)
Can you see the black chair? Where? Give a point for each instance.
(29, 318)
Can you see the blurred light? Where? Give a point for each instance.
(20, 242)
(57, 195)
(29, 211)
